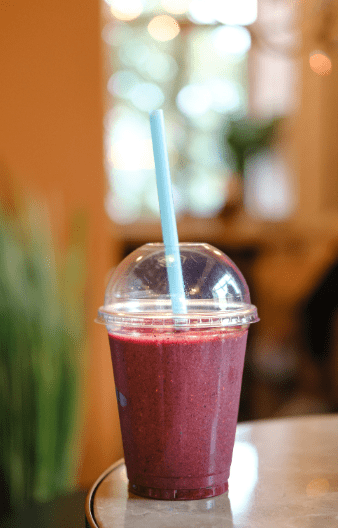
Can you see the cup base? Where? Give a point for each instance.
(178, 494)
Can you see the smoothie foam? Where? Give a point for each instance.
(178, 397)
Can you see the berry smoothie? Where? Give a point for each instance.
(178, 397)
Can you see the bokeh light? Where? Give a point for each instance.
(163, 28)
(176, 7)
(127, 125)
(132, 157)
(208, 122)
(194, 100)
(133, 52)
(226, 95)
(122, 83)
(268, 192)
(161, 67)
(122, 211)
(204, 149)
(234, 40)
(206, 192)
(146, 96)
(320, 63)
(126, 9)
(201, 11)
(218, 94)
(317, 487)
(116, 34)
(241, 12)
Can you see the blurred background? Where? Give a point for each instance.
(249, 92)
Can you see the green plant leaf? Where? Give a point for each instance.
(41, 353)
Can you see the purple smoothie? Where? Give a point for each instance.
(178, 398)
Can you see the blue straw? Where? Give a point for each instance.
(168, 221)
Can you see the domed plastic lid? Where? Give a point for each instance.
(216, 293)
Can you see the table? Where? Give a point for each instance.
(284, 474)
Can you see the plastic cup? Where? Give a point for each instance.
(178, 376)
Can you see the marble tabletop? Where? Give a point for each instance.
(284, 474)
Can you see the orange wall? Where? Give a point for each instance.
(51, 139)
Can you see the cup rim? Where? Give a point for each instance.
(242, 314)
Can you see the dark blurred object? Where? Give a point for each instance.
(234, 198)
(246, 136)
(319, 318)
(41, 353)
(319, 311)
(66, 511)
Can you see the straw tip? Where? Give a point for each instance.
(156, 113)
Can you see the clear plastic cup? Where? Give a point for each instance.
(178, 376)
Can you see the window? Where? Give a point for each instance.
(191, 59)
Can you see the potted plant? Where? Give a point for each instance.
(241, 138)
(41, 355)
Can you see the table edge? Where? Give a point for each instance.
(89, 504)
